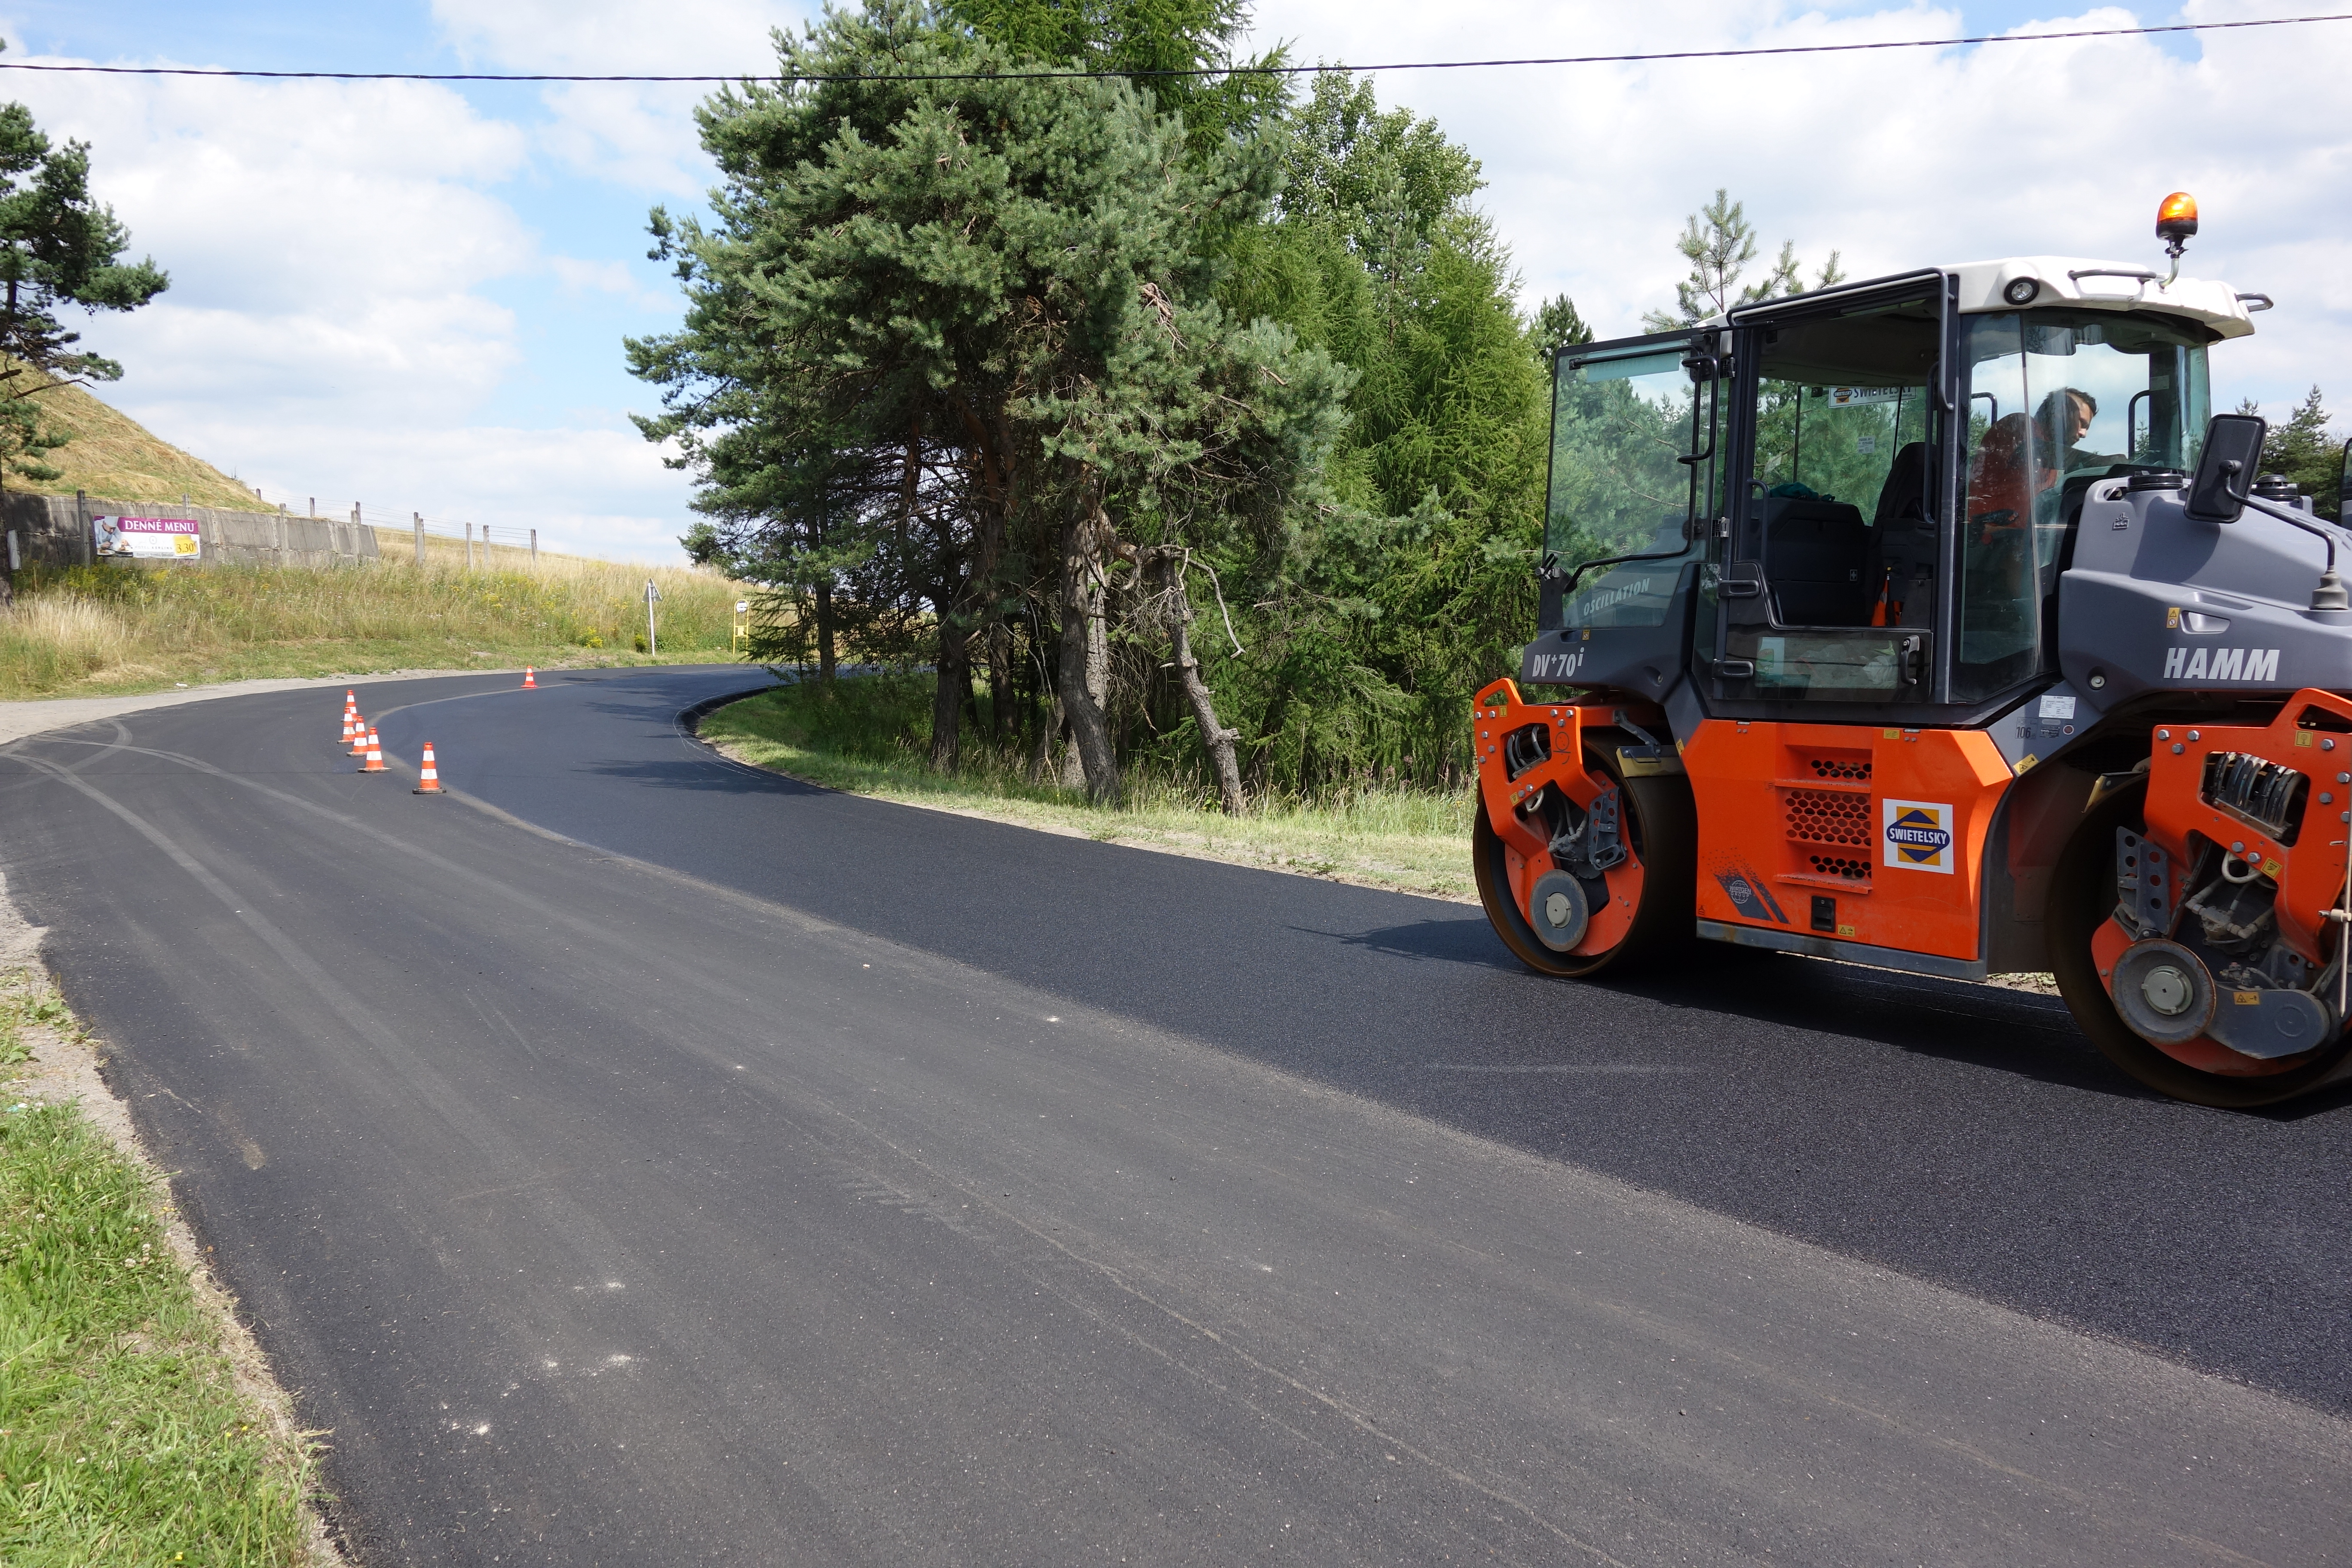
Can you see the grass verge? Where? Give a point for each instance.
(99, 630)
(870, 736)
(126, 1434)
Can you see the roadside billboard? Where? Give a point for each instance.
(148, 538)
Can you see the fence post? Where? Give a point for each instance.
(82, 552)
(418, 517)
(534, 547)
(470, 547)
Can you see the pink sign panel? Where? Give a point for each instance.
(149, 538)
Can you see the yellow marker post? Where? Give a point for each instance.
(741, 641)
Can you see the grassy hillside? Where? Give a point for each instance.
(111, 455)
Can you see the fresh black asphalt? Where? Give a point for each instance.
(729, 1059)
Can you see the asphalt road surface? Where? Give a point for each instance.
(640, 1159)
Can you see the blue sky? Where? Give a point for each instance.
(414, 297)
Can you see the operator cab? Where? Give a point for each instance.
(1858, 503)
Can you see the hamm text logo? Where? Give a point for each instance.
(2222, 664)
(1919, 835)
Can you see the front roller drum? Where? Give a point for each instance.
(1559, 923)
(2169, 1041)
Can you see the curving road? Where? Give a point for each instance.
(640, 1159)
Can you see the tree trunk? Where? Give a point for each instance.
(947, 702)
(1216, 739)
(1000, 683)
(1085, 646)
(825, 650)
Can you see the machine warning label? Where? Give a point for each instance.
(1919, 835)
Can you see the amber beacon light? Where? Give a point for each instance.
(2175, 220)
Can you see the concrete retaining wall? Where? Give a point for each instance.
(54, 530)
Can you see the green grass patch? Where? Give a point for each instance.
(123, 1439)
(92, 630)
(871, 735)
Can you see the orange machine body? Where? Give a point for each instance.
(1845, 833)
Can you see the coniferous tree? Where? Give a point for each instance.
(2302, 450)
(58, 247)
(970, 315)
(1719, 242)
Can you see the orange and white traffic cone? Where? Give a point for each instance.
(359, 736)
(349, 722)
(375, 763)
(529, 679)
(350, 712)
(428, 777)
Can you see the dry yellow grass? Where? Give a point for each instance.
(113, 456)
(112, 628)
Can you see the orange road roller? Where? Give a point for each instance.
(1934, 622)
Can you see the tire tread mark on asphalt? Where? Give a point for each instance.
(584, 1234)
(1345, 1409)
(571, 919)
(451, 1106)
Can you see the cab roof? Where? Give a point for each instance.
(2107, 286)
(2073, 280)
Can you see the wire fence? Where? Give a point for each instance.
(483, 544)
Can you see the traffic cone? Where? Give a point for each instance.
(375, 763)
(349, 719)
(529, 679)
(359, 736)
(428, 777)
(350, 712)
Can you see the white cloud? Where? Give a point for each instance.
(345, 257)
(638, 134)
(329, 324)
(576, 276)
(1899, 158)
(599, 490)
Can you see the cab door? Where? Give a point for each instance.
(1840, 810)
(1832, 591)
(1634, 495)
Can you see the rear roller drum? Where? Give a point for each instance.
(2180, 1060)
(1574, 926)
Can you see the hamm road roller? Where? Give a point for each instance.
(1934, 622)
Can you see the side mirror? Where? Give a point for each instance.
(2225, 470)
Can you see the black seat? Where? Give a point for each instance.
(1901, 562)
(1815, 552)
(1904, 496)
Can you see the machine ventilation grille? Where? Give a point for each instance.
(1845, 770)
(1829, 817)
(1839, 866)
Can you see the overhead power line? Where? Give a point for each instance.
(1200, 70)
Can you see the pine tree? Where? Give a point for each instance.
(57, 248)
(970, 319)
(1719, 242)
(1557, 325)
(2302, 450)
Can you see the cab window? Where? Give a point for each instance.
(1621, 421)
(2057, 401)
